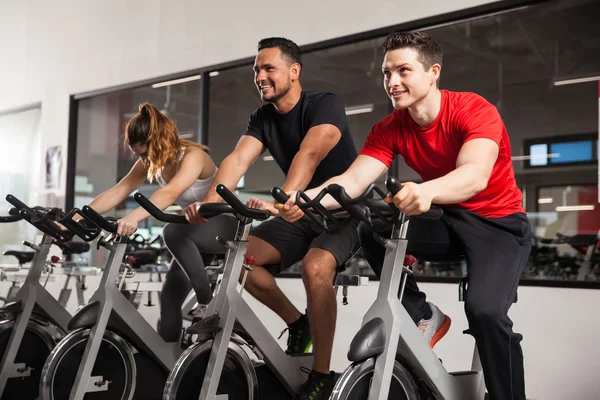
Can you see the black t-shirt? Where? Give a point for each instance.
(282, 134)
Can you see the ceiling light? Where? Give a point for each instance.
(521, 158)
(214, 73)
(268, 158)
(176, 81)
(576, 208)
(545, 200)
(573, 80)
(361, 109)
(186, 135)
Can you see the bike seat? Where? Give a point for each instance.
(72, 247)
(22, 256)
(143, 257)
(12, 307)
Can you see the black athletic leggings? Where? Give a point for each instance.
(186, 242)
(496, 251)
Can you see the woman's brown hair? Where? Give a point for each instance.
(151, 127)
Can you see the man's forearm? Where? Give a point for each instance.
(301, 171)
(459, 185)
(230, 173)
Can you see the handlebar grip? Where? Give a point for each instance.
(209, 210)
(13, 216)
(239, 207)
(156, 212)
(99, 220)
(279, 195)
(393, 185)
(16, 202)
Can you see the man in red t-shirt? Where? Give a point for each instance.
(459, 146)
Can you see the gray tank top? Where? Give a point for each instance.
(196, 192)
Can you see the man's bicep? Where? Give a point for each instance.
(482, 152)
(248, 149)
(321, 139)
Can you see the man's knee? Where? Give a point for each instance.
(249, 274)
(318, 267)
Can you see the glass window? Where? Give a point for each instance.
(567, 232)
(519, 61)
(19, 133)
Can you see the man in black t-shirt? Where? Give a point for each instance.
(307, 134)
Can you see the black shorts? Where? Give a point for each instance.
(294, 240)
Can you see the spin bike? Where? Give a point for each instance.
(111, 352)
(235, 356)
(33, 321)
(390, 359)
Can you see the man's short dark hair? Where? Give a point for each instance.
(288, 48)
(429, 50)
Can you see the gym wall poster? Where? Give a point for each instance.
(53, 167)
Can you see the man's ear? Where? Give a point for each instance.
(295, 69)
(435, 71)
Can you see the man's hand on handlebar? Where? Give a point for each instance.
(290, 211)
(412, 199)
(191, 214)
(261, 204)
(126, 226)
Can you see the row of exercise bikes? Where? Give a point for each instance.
(107, 350)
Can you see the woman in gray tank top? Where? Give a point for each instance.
(184, 172)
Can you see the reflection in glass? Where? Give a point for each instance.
(566, 234)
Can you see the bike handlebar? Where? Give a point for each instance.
(13, 216)
(394, 187)
(207, 210)
(362, 208)
(35, 216)
(239, 207)
(102, 222)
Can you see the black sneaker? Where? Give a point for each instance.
(317, 387)
(299, 339)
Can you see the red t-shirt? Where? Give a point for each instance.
(432, 152)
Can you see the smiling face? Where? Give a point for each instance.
(274, 74)
(405, 79)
